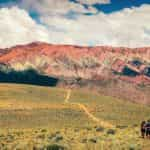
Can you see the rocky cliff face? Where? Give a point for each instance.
(88, 63)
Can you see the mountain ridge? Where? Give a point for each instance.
(86, 65)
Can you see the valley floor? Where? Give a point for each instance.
(39, 118)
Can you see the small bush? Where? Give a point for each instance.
(121, 126)
(88, 128)
(57, 132)
(44, 130)
(100, 129)
(111, 131)
(93, 140)
(41, 136)
(58, 138)
(76, 130)
(135, 125)
(53, 135)
(1, 135)
(38, 147)
(55, 147)
(10, 136)
(133, 147)
(84, 140)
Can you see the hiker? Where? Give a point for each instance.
(143, 131)
(147, 127)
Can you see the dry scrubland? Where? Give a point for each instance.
(38, 118)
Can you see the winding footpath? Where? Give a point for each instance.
(86, 111)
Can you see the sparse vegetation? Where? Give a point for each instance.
(54, 147)
(36, 118)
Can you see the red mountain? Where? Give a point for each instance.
(114, 68)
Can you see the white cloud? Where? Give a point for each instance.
(125, 28)
(90, 2)
(17, 27)
(55, 7)
(128, 27)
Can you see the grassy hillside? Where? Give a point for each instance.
(35, 117)
(116, 111)
(30, 106)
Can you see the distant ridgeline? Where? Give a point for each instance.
(29, 76)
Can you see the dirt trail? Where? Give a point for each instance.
(68, 96)
(86, 111)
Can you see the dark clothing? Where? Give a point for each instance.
(147, 128)
(148, 132)
(143, 129)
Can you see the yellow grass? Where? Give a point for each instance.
(31, 115)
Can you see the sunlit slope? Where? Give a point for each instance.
(36, 106)
(118, 112)
(42, 116)
(28, 93)
(28, 106)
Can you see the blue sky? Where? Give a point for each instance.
(113, 6)
(80, 22)
(108, 8)
(117, 5)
